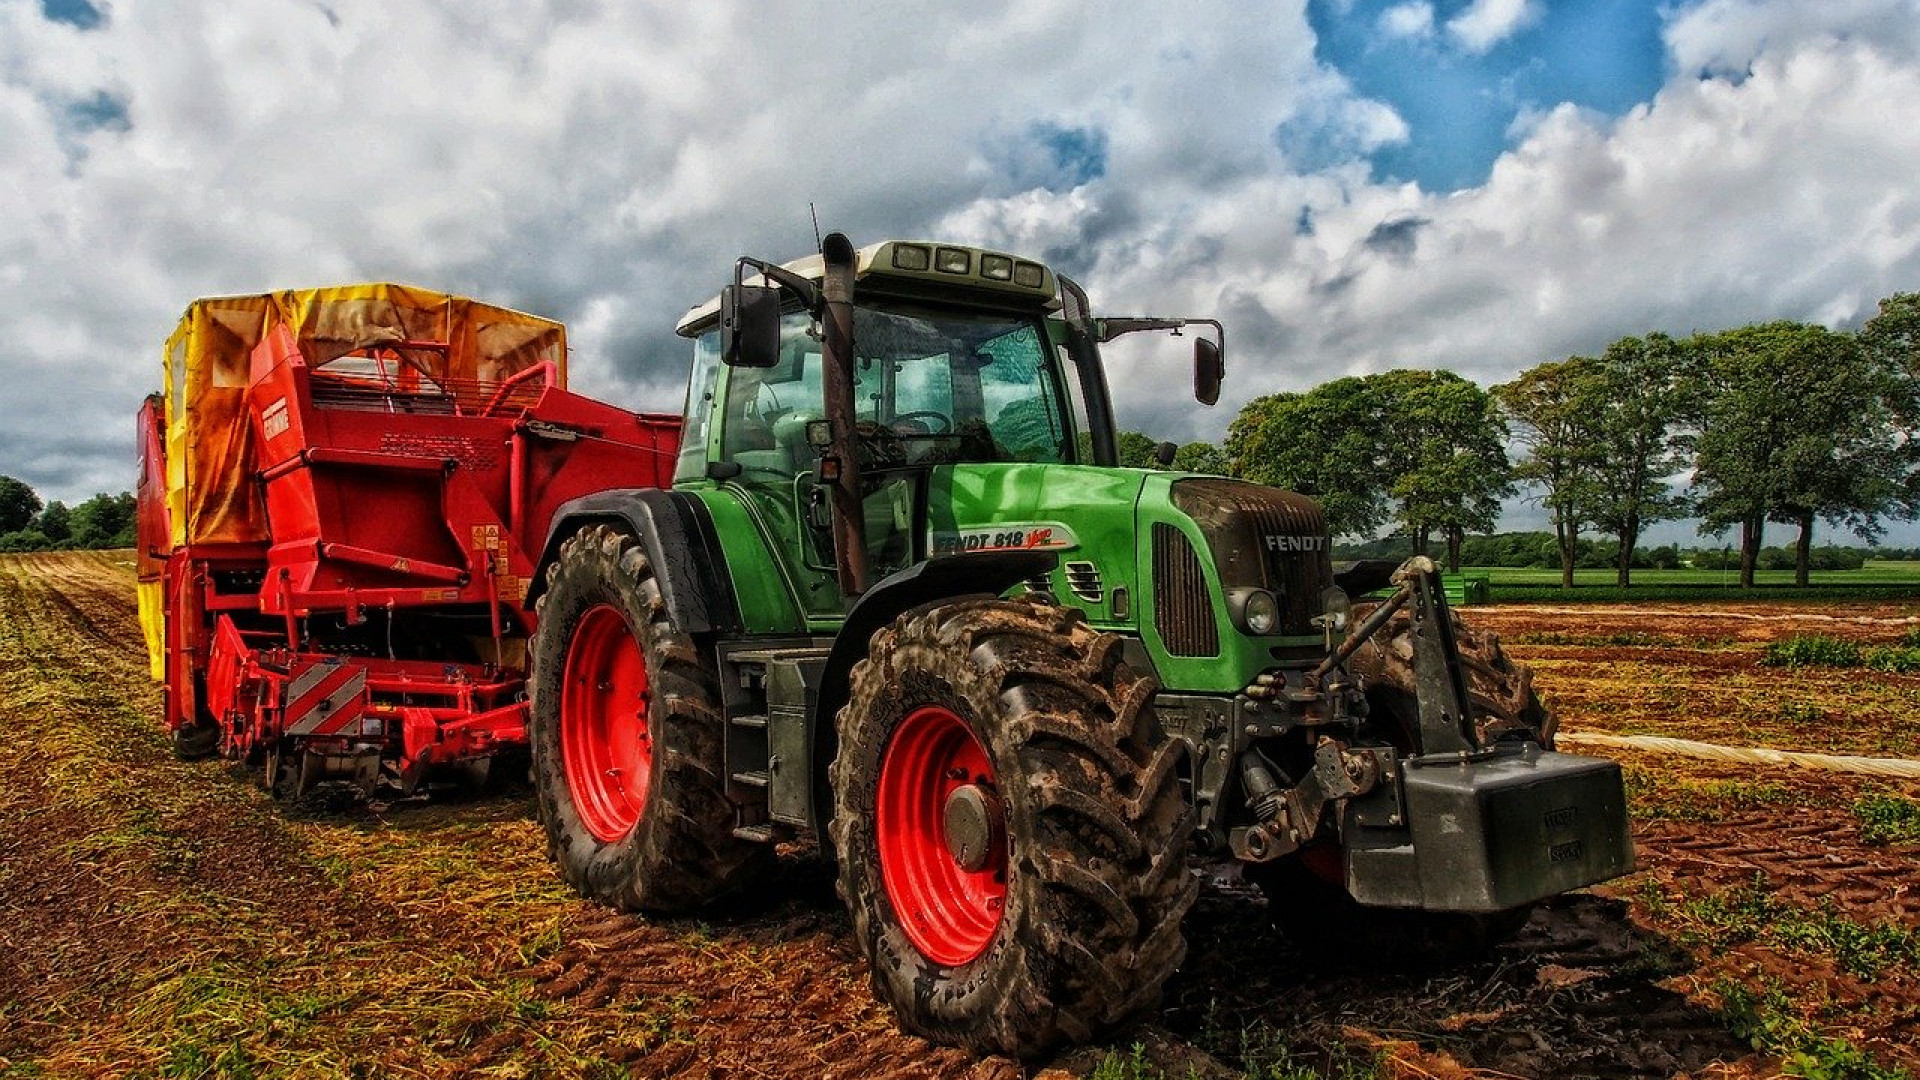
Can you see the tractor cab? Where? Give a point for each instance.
(958, 357)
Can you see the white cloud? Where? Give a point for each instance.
(606, 164)
(1413, 19)
(1486, 23)
(1723, 37)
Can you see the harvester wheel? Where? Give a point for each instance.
(1500, 691)
(626, 735)
(192, 742)
(1010, 827)
(1333, 931)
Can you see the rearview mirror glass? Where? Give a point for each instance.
(750, 325)
(1208, 369)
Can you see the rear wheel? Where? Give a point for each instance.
(1010, 827)
(195, 741)
(625, 731)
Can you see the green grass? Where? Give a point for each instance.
(1888, 819)
(1664, 796)
(1717, 921)
(1819, 650)
(1765, 1017)
(1878, 580)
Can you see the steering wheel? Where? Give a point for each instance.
(929, 422)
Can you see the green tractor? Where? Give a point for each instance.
(901, 599)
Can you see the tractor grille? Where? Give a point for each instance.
(1182, 602)
(1265, 538)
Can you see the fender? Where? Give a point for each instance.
(678, 535)
(949, 577)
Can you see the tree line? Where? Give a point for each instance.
(1778, 423)
(26, 524)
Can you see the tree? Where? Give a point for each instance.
(1443, 449)
(1634, 417)
(1892, 337)
(104, 521)
(1324, 443)
(1421, 450)
(1551, 406)
(1136, 451)
(1201, 457)
(55, 522)
(18, 504)
(1798, 422)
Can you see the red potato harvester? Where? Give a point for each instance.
(343, 494)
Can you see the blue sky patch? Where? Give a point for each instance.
(1054, 156)
(1460, 98)
(100, 112)
(78, 13)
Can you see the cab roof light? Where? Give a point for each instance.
(1028, 274)
(912, 257)
(996, 267)
(953, 260)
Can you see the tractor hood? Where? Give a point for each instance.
(1084, 514)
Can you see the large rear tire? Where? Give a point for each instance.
(1010, 827)
(625, 729)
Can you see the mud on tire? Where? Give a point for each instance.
(1499, 690)
(1094, 838)
(677, 851)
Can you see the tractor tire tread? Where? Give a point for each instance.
(682, 855)
(1097, 887)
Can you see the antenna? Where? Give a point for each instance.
(815, 211)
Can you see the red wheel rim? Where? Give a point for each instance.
(950, 913)
(605, 746)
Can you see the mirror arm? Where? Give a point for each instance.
(1106, 330)
(783, 277)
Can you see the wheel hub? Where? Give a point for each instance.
(940, 831)
(974, 823)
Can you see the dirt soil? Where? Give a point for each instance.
(166, 918)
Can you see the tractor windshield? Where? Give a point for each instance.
(930, 386)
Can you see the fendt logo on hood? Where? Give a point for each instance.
(1296, 543)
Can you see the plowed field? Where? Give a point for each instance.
(161, 918)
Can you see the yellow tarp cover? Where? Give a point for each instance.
(212, 492)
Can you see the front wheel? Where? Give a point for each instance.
(625, 732)
(1499, 690)
(1010, 827)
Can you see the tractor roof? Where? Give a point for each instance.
(923, 268)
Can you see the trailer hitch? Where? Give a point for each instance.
(1289, 818)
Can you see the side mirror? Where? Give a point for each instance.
(1208, 369)
(750, 325)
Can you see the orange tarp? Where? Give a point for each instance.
(212, 492)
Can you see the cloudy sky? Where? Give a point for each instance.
(1352, 185)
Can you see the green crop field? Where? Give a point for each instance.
(1879, 579)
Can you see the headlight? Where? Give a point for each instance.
(1336, 607)
(1256, 610)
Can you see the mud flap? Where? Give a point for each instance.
(1491, 832)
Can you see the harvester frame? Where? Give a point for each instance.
(342, 495)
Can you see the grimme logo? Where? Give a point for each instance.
(1296, 543)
